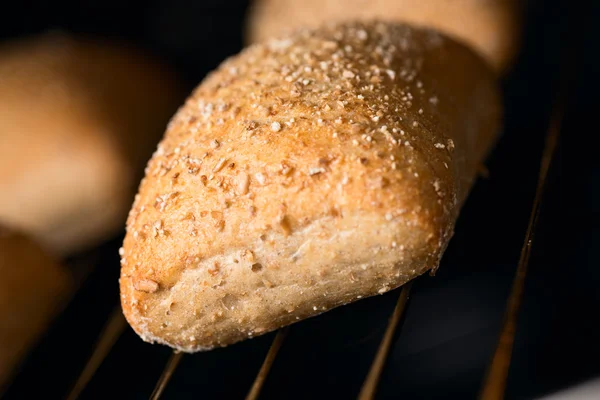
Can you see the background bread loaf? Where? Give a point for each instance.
(303, 174)
(32, 288)
(78, 119)
(491, 27)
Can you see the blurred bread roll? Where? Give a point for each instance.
(78, 119)
(305, 173)
(33, 286)
(491, 27)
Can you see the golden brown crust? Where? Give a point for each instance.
(492, 27)
(78, 119)
(303, 174)
(32, 287)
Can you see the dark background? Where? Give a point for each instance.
(452, 322)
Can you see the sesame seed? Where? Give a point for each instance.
(316, 171)
(145, 285)
(275, 126)
(260, 178)
(450, 144)
(243, 184)
(285, 168)
(219, 165)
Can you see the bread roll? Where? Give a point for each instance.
(78, 120)
(32, 287)
(303, 174)
(491, 27)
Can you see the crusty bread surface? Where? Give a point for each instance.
(491, 27)
(78, 120)
(32, 288)
(303, 174)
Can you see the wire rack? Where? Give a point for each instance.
(492, 384)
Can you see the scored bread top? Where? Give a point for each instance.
(303, 174)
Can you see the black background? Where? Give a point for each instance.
(453, 319)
